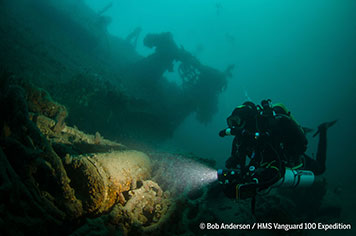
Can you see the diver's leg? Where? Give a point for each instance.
(310, 164)
(321, 153)
(318, 165)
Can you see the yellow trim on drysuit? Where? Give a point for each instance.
(296, 167)
(281, 105)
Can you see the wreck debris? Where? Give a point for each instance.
(145, 79)
(33, 164)
(58, 174)
(107, 176)
(107, 7)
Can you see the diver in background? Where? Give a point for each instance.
(274, 142)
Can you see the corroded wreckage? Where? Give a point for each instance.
(53, 175)
(58, 180)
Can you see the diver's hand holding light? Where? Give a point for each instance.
(246, 184)
(228, 132)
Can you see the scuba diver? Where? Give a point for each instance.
(275, 145)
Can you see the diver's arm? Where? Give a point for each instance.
(234, 148)
(238, 155)
(230, 131)
(232, 161)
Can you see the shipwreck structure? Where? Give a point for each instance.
(56, 178)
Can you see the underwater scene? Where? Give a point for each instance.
(177, 117)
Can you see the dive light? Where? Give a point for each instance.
(227, 176)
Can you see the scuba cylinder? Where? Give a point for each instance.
(295, 178)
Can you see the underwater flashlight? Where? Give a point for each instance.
(235, 184)
(226, 176)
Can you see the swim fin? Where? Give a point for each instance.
(307, 130)
(325, 125)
